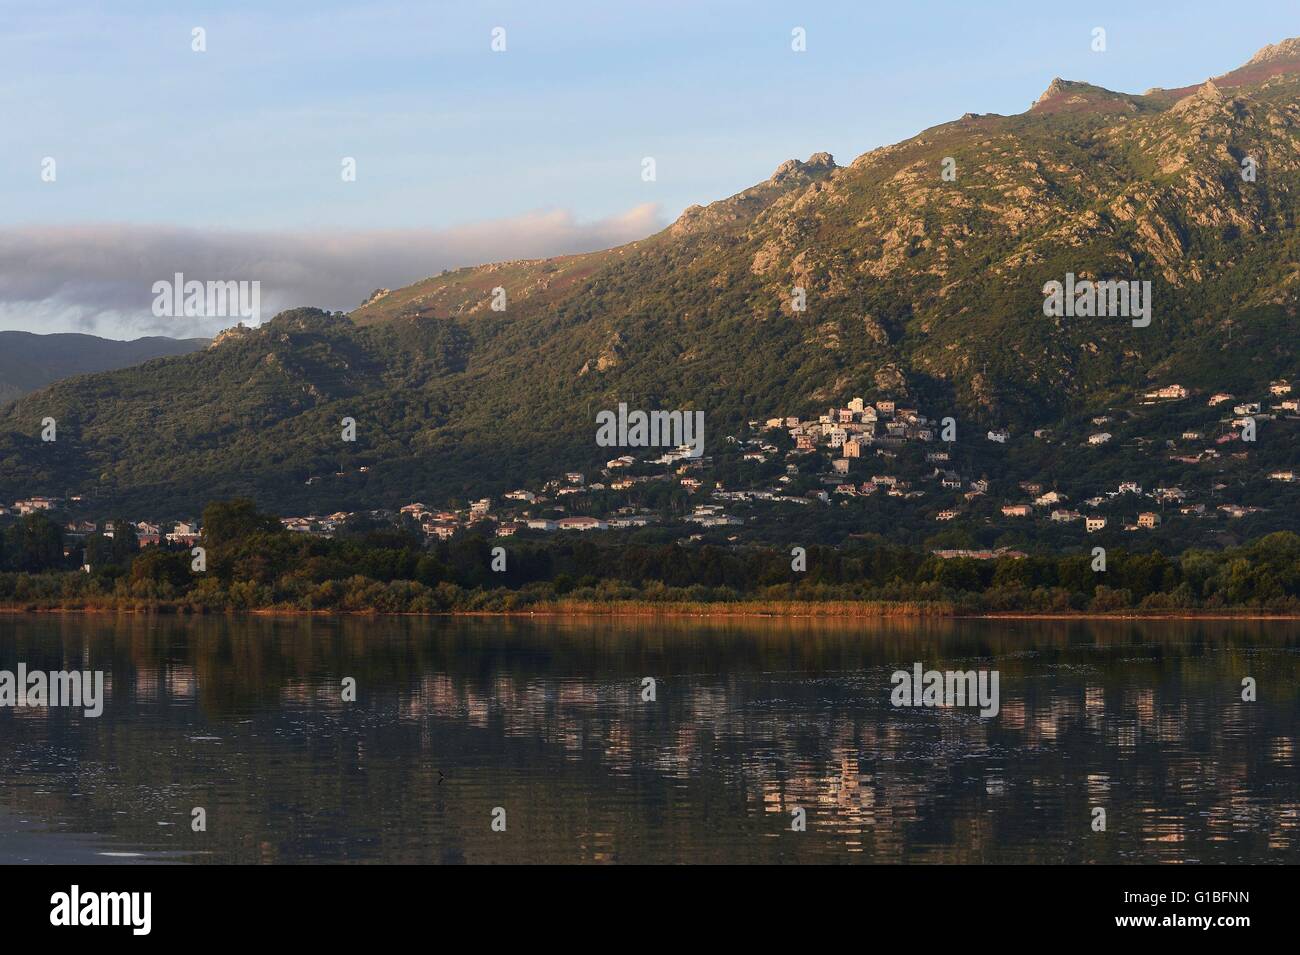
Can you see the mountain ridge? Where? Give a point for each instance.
(29, 360)
(917, 287)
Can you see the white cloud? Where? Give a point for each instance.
(98, 279)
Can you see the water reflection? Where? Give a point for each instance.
(245, 718)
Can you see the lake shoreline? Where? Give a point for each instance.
(761, 610)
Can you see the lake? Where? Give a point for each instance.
(457, 719)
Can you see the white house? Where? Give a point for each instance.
(1167, 393)
(580, 524)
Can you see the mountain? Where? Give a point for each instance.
(29, 361)
(919, 286)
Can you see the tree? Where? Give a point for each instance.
(227, 522)
(35, 543)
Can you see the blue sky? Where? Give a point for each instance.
(249, 136)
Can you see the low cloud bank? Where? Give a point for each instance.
(99, 279)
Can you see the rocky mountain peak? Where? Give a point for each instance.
(1057, 87)
(1072, 95)
(235, 333)
(1203, 102)
(793, 167)
(1286, 50)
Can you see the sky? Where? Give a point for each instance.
(227, 163)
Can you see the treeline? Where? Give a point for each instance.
(251, 562)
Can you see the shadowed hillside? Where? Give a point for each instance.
(919, 287)
(28, 361)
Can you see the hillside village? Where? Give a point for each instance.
(885, 449)
(853, 453)
(858, 443)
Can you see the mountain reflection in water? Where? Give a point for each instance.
(752, 718)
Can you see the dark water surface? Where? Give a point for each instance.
(455, 717)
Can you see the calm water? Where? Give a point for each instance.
(752, 719)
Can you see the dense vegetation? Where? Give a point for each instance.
(252, 563)
(28, 361)
(917, 288)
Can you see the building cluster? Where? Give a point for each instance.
(845, 453)
(138, 533)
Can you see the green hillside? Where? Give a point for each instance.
(917, 288)
(29, 361)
